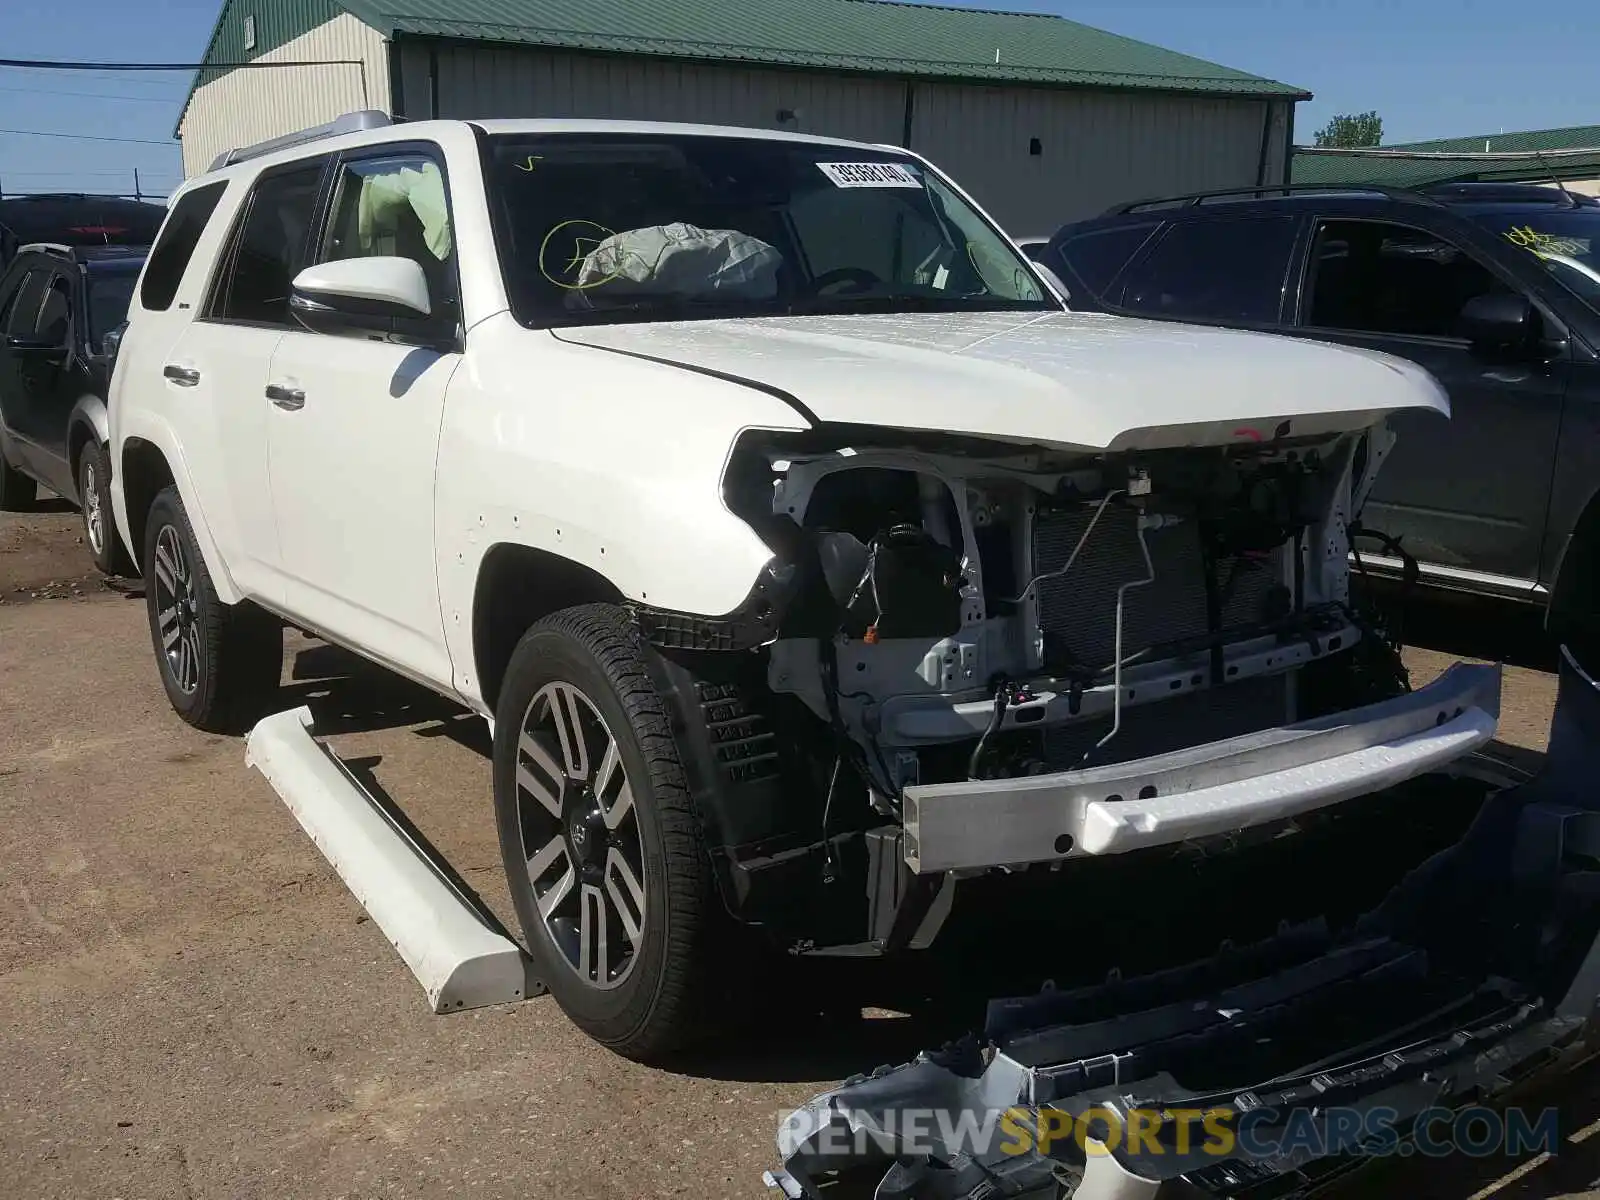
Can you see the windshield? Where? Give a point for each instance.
(625, 227)
(110, 293)
(1566, 241)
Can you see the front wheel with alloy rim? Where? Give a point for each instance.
(94, 498)
(219, 662)
(611, 885)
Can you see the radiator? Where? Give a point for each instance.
(1078, 611)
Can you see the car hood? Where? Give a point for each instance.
(1065, 379)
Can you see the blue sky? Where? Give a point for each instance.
(1432, 68)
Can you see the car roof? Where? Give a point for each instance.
(402, 131)
(670, 129)
(101, 259)
(1467, 198)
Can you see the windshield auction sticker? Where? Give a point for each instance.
(869, 175)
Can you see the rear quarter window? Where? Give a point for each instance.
(175, 245)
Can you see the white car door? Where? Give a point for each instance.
(353, 429)
(215, 372)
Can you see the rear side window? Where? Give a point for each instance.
(1229, 270)
(175, 246)
(269, 247)
(1097, 258)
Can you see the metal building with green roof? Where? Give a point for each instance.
(1571, 155)
(1045, 119)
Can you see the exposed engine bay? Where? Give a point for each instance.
(972, 659)
(1001, 617)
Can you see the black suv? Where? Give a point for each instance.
(1494, 288)
(60, 310)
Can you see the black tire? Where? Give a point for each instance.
(226, 660)
(18, 492)
(659, 1003)
(94, 502)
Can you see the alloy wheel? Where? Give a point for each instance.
(580, 835)
(177, 616)
(94, 521)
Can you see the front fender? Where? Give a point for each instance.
(153, 429)
(609, 462)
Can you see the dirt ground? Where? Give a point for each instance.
(195, 1006)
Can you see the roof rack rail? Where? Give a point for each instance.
(1266, 191)
(354, 122)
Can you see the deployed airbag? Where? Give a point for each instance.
(684, 260)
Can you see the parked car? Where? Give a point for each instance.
(60, 310)
(73, 219)
(809, 561)
(1491, 287)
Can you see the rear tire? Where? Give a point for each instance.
(579, 727)
(94, 501)
(219, 663)
(17, 491)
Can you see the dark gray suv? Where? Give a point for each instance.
(1494, 288)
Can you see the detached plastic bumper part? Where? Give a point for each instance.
(1204, 790)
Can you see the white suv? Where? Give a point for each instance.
(807, 557)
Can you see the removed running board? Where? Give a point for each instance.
(459, 958)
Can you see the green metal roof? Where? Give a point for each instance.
(1533, 154)
(855, 35)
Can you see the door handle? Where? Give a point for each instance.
(182, 376)
(287, 398)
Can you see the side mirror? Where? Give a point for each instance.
(1499, 321)
(26, 347)
(360, 293)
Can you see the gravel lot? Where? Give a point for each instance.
(197, 1008)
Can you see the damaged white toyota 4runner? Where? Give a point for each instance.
(809, 559)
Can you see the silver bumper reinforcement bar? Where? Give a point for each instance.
(1205, 790)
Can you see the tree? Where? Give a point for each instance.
(1351, 132)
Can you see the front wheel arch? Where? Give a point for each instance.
(518, 586)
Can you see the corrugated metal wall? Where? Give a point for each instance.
(252, 105)
(508, 82)
(1095, 148)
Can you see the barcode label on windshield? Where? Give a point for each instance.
(859, 175)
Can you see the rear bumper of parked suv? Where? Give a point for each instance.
(1205, 790)
(1270, 1069)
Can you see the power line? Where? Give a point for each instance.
(93, 95)
(69, 174)
(88, 137)
(44, 64)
